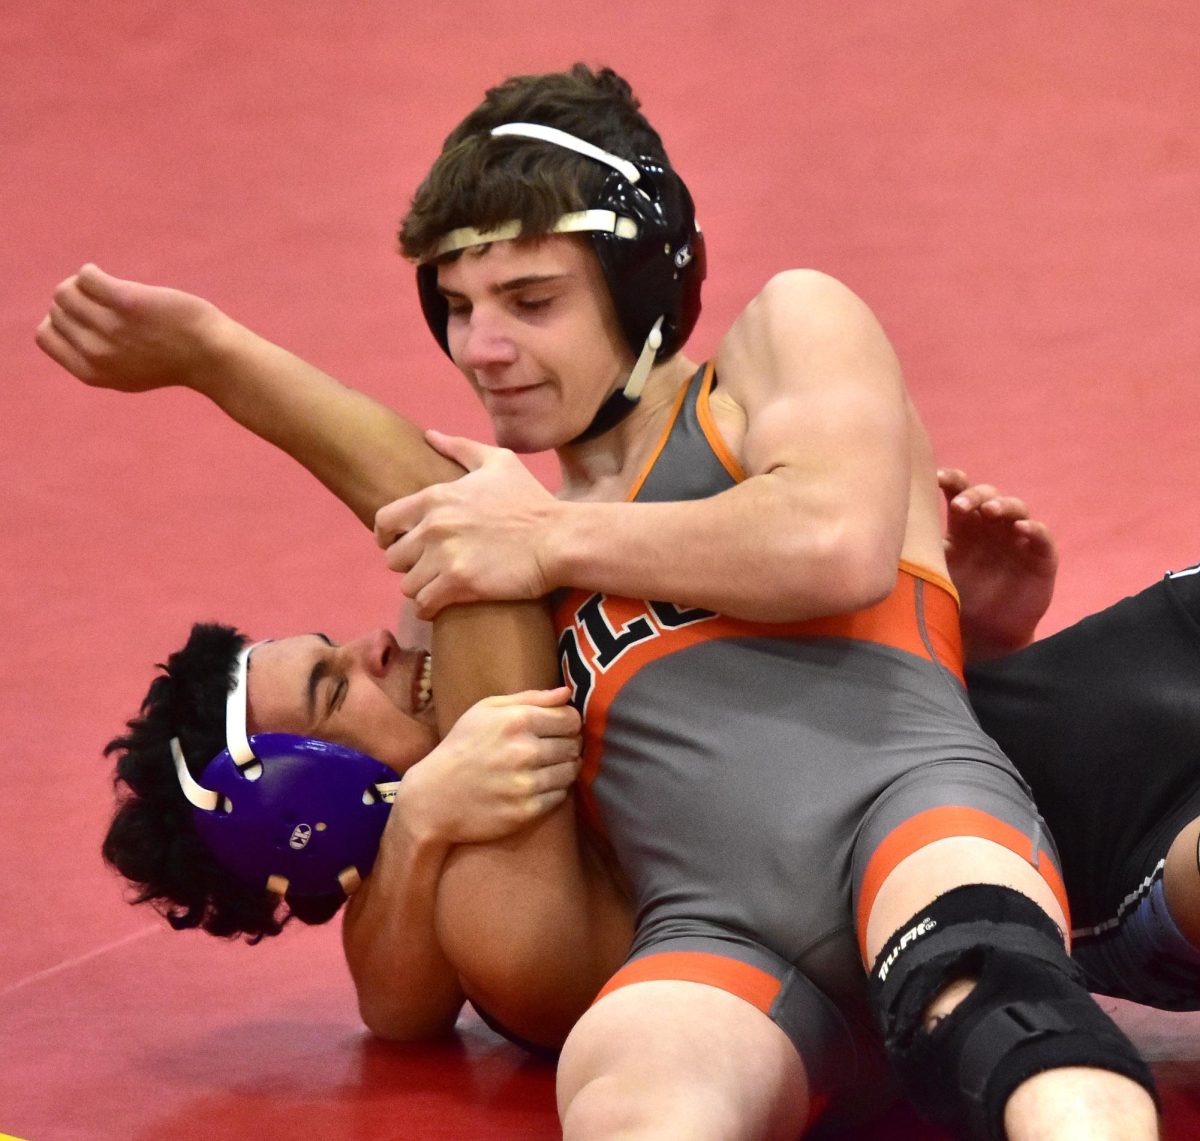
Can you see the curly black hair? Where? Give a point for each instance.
(151, 840)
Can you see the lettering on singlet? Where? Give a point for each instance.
(592, 642)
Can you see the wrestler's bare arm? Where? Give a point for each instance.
(131, 337)
(506, 761)
(817, 527)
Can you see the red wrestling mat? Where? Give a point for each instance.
(1015, 189)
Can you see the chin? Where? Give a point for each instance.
(525, 439)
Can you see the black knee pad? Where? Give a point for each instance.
(1028, 1012)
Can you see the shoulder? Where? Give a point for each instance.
(795, 307)
(807, 295)
(798, 317)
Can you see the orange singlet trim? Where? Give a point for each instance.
(896, 621)
(708, 425)
(749, 983)
(947, 823)
(662, 443)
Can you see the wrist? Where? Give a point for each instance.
(985, 649)
(222, 347)
(417, 820)
(562, 550)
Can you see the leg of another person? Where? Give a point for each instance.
(1148, 949)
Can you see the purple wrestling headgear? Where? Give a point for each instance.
(291, 814)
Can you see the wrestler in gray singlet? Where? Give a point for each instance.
(747, 774)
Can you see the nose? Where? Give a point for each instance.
(485, 343)
(374, 652)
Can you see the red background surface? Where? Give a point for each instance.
(1013, 187)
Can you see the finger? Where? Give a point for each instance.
(1004, 508)
(540, 712)
(88, 345)
(973, 497)
(387, 526)
(527, 761)
(544, 802)
(102, 287)
(553, 699)
(469, 453)
(400, 560)
(417, 578)
(406, 552)
(1038, 536)
(554, 749)
(395, 519)
(429, 601)
(952, 480)
(557, 776)
(75, 303)
(60, 349)
(562, 721)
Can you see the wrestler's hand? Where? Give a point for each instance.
(1002, 562)
(507, 761)
(127, 336)
(483, 537)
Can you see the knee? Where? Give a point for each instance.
(608, 1106)
(599, 1108)
(975, 996)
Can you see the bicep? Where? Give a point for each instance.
(823, 396)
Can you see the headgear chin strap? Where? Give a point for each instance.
(287, 813)
(642, 227)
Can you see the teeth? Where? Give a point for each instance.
(425, 683)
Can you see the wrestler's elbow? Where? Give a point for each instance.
(410, 1017)
(405, 1026)
(838, 571)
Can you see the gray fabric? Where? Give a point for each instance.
(744, 778)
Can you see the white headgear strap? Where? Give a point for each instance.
(196, 793)
(578, 222)
(545, 134)
(236, 739)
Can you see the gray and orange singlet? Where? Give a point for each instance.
(757, 782)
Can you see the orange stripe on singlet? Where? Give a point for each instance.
(662, 443)
(919, 619)
(945, 823)
(749, 983)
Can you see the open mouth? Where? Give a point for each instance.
(423, 685)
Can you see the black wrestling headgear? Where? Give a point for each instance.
(643, 228)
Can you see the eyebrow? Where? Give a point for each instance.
(512, 285)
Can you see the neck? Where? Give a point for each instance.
(597, 466)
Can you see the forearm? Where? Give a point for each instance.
(531, 924)
(758, 551)
(364, 453)
(490, 648)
